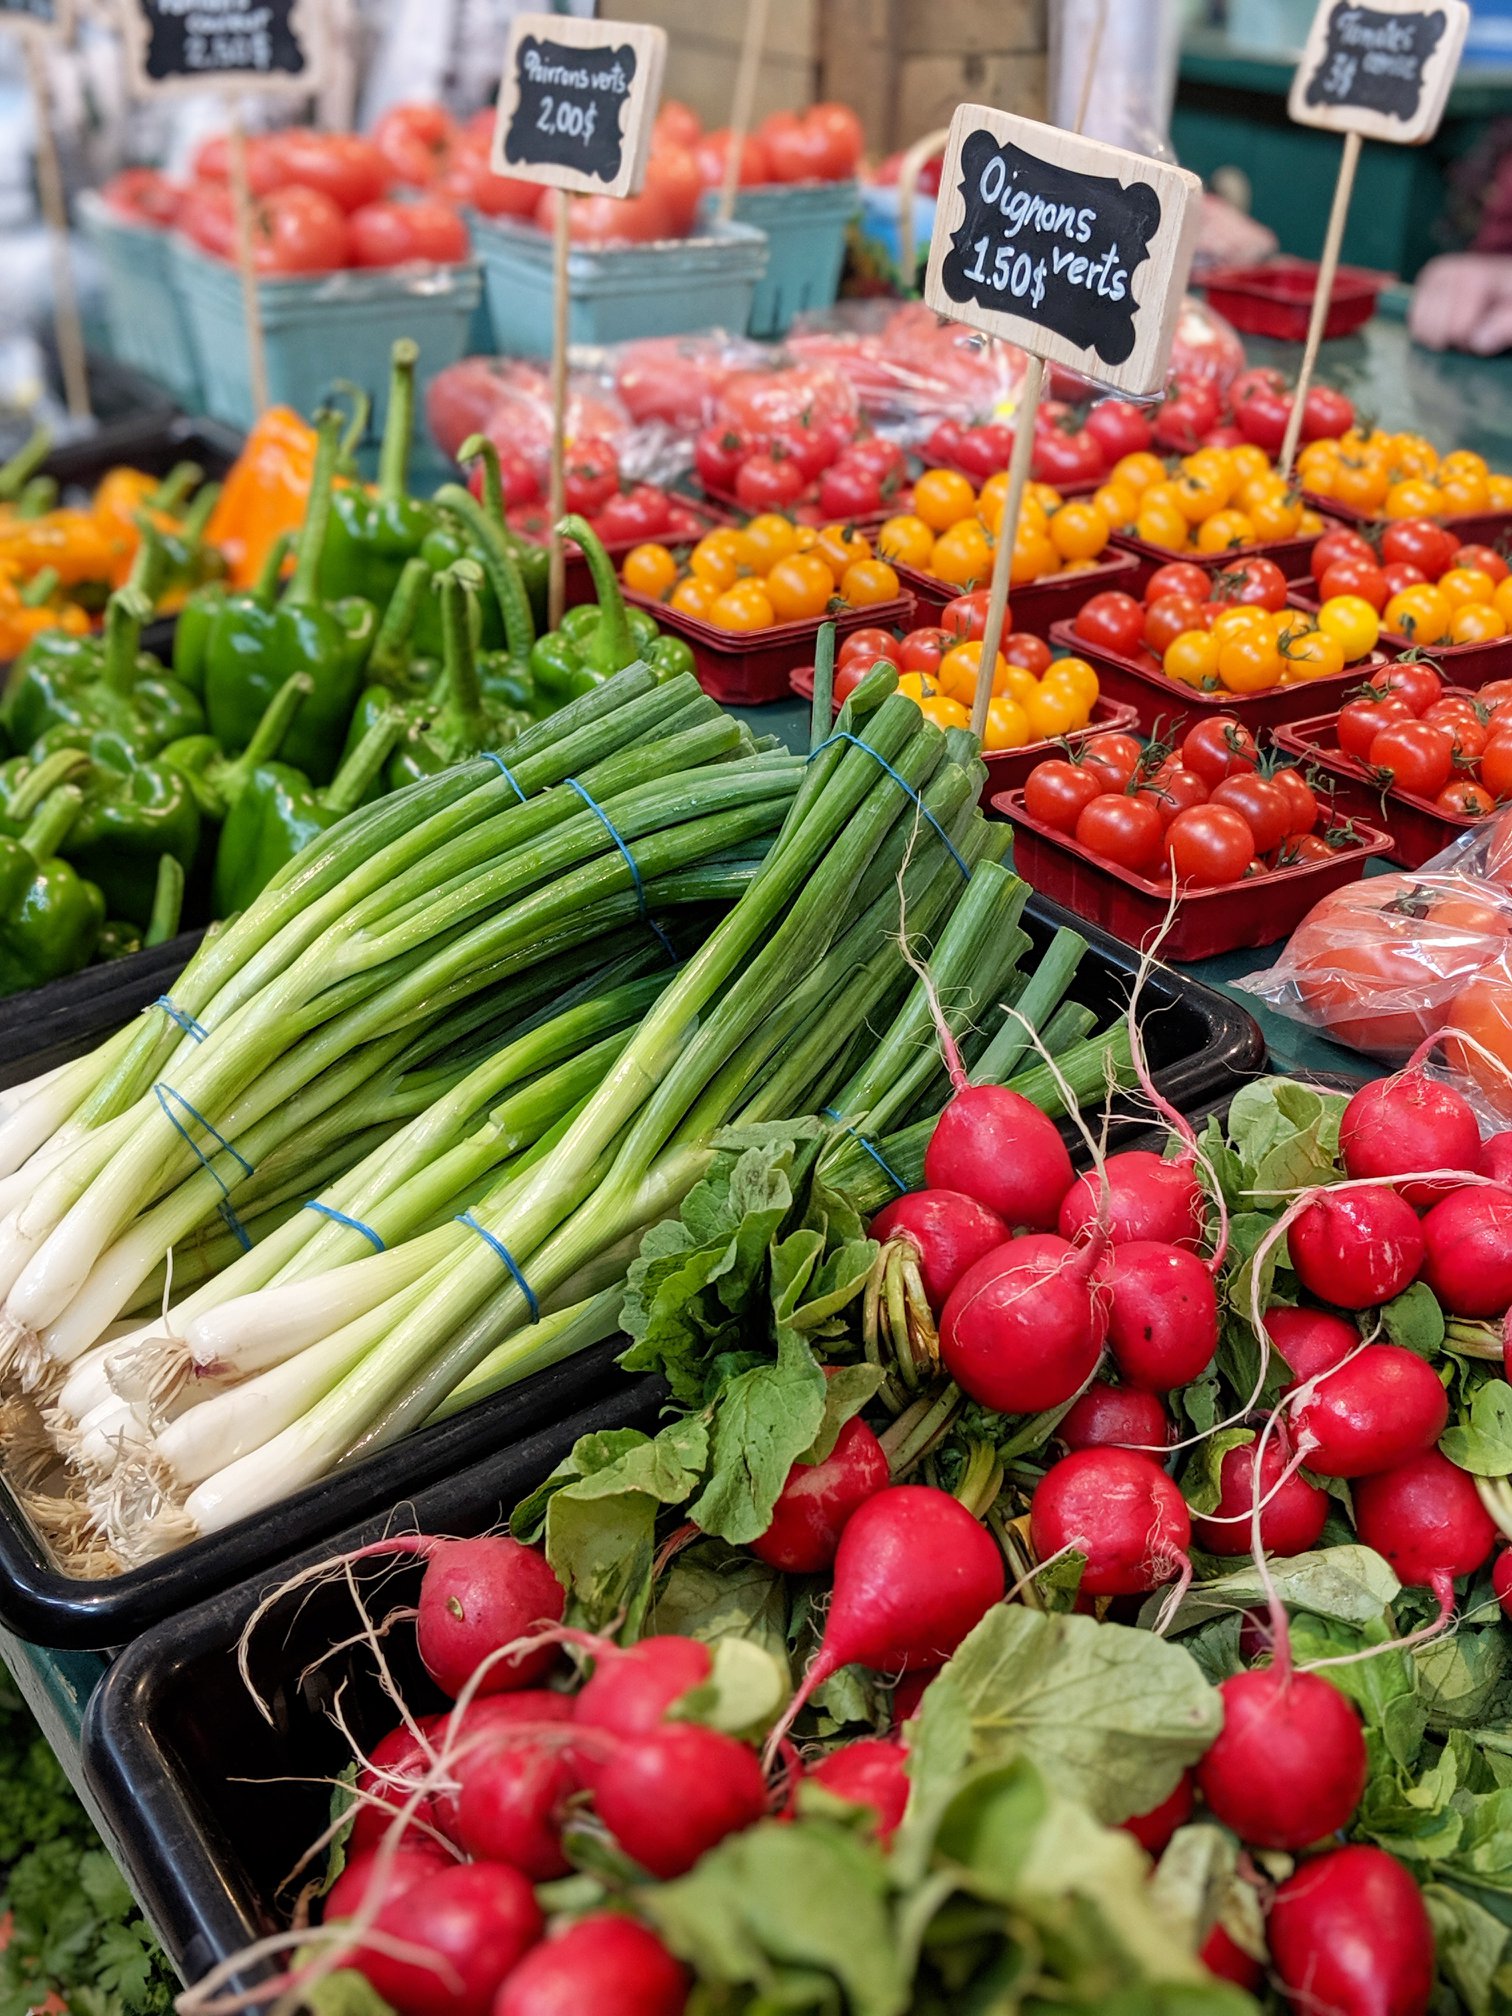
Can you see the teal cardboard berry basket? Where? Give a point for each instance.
(805, 225)
(144, 309)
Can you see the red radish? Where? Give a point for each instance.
(1291, 1519)
(1496, 1158)
(470, 1732)
(409, 1863)
(870, 1772)
(1163, 1325)
(908, 1695)
(476, 1920)
(1426, 1517)
(670, 1794)
(1349, 1934)
(1385, 1405)
(1356, 1247)
(914, 1573)
(632, 1687)
(1393, 1126)
(510, 1806)
(999, 1148)
(1310, 1340)
(395, 1765)
(604, 1965)
(1120, 1510)
(949, 1232)
(477, 1597)
(817, 1499)
(1024, 1328)
(1149, 1198)
(1152, 1830)
(1501, 1583)
(1115, 1417)
(1288, 1766)
(1469, 1242)
(1221, 1956)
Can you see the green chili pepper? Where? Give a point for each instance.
(67, 688)
(218, 780)
(279, 811)
(252, 650)
(373, 532)
(50, 917)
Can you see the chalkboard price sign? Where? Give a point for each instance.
(239, 45)
(1075, 250)
(1382, 70)
(38, 17)
(577, 101)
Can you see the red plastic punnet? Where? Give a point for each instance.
(750, 668)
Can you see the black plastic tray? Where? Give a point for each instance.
(1201, 1046)
(209, 1804)
(50, 1025)
(128, 408)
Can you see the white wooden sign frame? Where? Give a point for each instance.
(641, 100)
(306, 22)
(1369, 122)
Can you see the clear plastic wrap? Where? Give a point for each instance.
(910, 369)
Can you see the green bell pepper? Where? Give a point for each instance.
(594, 641)
(132, 814)
(50, 917)
(119, 939)
(252, 650)
(75, 687)
(218, 780)
(456, 719)
(507, 677)
(373, 532)
(393, 664)
(196, 620)
(280, 811)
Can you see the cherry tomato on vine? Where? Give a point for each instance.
(1302, 800)
(1112, 620)
(1124, 830)
(875, 643)
(1360, 721)
(1210, 845)
(1033, 654)
(1179, 577)
(1167, 619)
(1115, 751)
(1261, 803)
(1465, 799)
(1219, 747)
(1416, 756)
(922, 650)
(1057, 792)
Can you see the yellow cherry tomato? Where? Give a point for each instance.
(1079, 530)
(1162, 523)
(841, 546)
(746, 606)
(769, 538)
(1238, 620)
(716, 558)
(1192, 658)
(1199, 497)
(1310, 654)
(1277, 517)
(906, 539)
(1419, 614)
(958, 671)
(1413, 497)
(1352, 623)
(1248, 461)
(945, 713)
(1034, 556)
(1465, 584)
(1045, 495)
(1249, 664)
(1077, 677)
(800, 588)
(920, 685)
(1499, 493)
(1007, 725)
(1018, 682)
(866, 582)
(1476, 623)
(1052, 711)
(1224, 530)
(941, 497)
(1118, 504)
(694, 596)
(1138, 471)
(649, 570)
(963, 555)
(1501, 601)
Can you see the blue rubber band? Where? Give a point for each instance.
(466, 1218)
(352, 1224)
(489, 756)
(185, 1021)
(164, 1094)
(844, 735)
(871, 1148)
(635, 875)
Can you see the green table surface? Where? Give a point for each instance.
(1457, 401)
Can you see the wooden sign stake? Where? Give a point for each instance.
(55, 213)
(1007, 538)
(561, 241)
(1094, 50)
(241, 203)
(1328, 267)
(743, 102)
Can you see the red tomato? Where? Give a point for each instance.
(679, 122)
(1339, 544)
(982, 451)
(1219, 747)
(1067, 455)
(1189, 409)
(713, 150)
(1113, 620)
(143, 195)
(768, 483)
(1262, 407)
(1113, 751)
(1209, 845)
(1410, 679)
(1326, 414)
(845, 134)
(469, 182)
(634, 515)
(1168, 618)
(265, 162)
(672, 175)
(1356, 577)
(944, 443)
(1056, 792)
(1257, 584)
(1298, 848)
(350, 170)
(1175, 789)
(1485, 559)
(1420, 543)
(965, 617)
(1302, 801)
(1360, 721)
(1031, 653)
(592, 475)
(871, 644)
(416, 141)
(1121, 428)
(812, 448)
(1465, 728)
(610, 220)
(1122, 829)
(1263, 805)
(1464, 799)
(850, 490)
(207, 219)
(393, 234)
(1400, 574)
(798, 151)
(1496, 766)
(299, 231)
(1415, 756)
(717, 455)
(922, 650)
(1179, 577)
(518, 478)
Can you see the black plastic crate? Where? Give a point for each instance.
(50, 1025)
(126, 407)
(209, 1804)
(1201, 1046)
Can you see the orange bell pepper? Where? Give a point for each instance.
(74, 543)
(265, 493)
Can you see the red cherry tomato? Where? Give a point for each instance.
(1263, 805)
(299, 231)
(1175, 789)
(1400, 574)
(1326, 414)
(393, 234)
(1112, 620)
(1496, 766)
(1356, 577)
(634, 515)
(1302, 800)
(1485, 560)
(416, 141)
(1257, 584)
(592, 471)
(1415, 756)
(1031, 653)
(871, 644)
(1056, 792)
(966, 616)
(850, 490)
(717, 455)
(1186, 413)
(1360, 721)
(1121, 427)
(768, 483)
(1412, 680)
(1179, 577)
(1114, 750)
(1219, 747)
(1170, 618)
(1122, 829)
(144, 195)
(1463, 798)
(1210, 845)
(922, 650)
(350, 170)
(1297, 848)
(981, 452)
(1339, 544)
(1421, 543)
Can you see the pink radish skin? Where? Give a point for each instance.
(398, 1756)
(475, 1730)
(1163, 1325)
(1288, 1766)
(671, 1794)
(1290, 1522)
(631, 1688)
(1349, 1935)
(817, 1499)
(870, 1772)
(1115, 1417)
(478, 1919)
(1501, 1583)
(1121, 1511)
(1154, 1829)
(1148, 1198)
(477, 1597)
(1310, 1340)
(604, 1965)
(1393, 1126)
(997, 1147)
(1355, 1248)
(1024, 1328)
(1229, 1962)
(1496, 1158)
(1469, 1251)
(510, 1807)
(1426, 1517)
(1385, 1405)
(949, 1232)
(411, 1862)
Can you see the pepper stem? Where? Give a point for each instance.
(18, 471)
(277, 719)
(38, 497)
(496, 554)
(264, 590)
(63, 766)
(458, 586)
(354, 779)
(615, 647)
(391, 646)
(304, 589)
(167, 902)
(357, 426)
(51, 821)
(125, 613)
(191, 527)
(399, 422)
(149, 567)
(41, 588)
(478, 448)
(173, 492)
